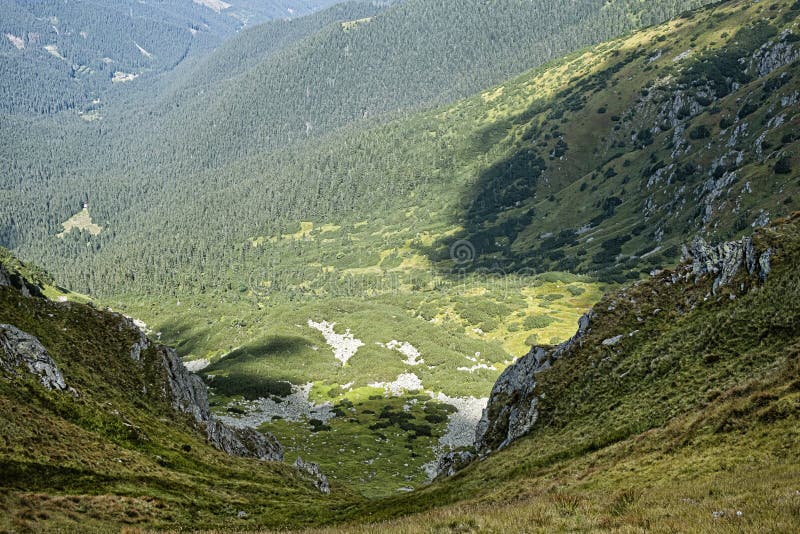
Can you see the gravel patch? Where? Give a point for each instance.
(461, 425)
(194, 366)
(296, 407)
(344, 345)
(404, 382)
(406, 349)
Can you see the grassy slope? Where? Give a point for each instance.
(265, 343)
(397, 264)
(117, 453)
(704, 418)
(596, 102)
(696, 413)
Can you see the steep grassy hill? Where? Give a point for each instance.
(100, 445)
(73, 56)
(688, 423)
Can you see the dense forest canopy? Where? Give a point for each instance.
(315, 120)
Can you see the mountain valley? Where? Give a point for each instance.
(370, 231)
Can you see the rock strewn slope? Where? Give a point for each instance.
(513, 407)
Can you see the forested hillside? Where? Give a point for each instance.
(68, 55)
(414, 54)
(660, 151)
(137, 164)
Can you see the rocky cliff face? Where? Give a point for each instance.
(512, 410)
(19, 349)
(188, 394)
(185, 391)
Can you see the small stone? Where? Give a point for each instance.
(312, 469)
(610, 342)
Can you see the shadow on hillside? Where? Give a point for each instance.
(272, 346)
(499, 206)
(237, 373)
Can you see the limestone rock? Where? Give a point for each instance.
(512, 408)
(312, 469)
(723, 261)
(452, 462)
(774, 55)
(764, 264)
(187, 390)
(246, 442)
(20, 348)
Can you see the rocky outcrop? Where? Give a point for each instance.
(245, 442)
(142, 342)
(313, 470)
(18, 282)
(187, 390)
(724, 261)
(512, 408)
(774, 54)
(450, 463)
(189, 395)
(18, 349)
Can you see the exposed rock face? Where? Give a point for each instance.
(774, 55)
(723, 261)
(5, 278)
(312, 469)
(141, 344)
(187, 390)
(10, 279)
(189, 395)
(20, 348)
(512, 408)
(243, 441)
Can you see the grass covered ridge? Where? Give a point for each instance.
(696, 413)
(115, 453)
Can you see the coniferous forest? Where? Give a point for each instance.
(399, 265)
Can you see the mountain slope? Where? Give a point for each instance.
(411, 55)
(102, 428)
(686, 421)
(59, 56)
(482, 168)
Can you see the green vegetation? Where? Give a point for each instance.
(423, 181)
(244, 208)
(112, 452)
(690, 424)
